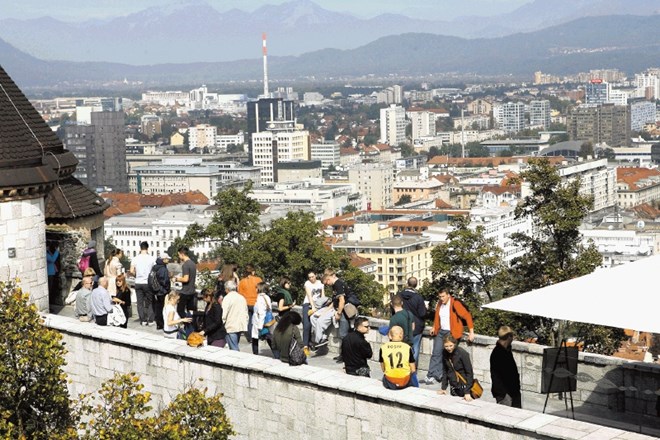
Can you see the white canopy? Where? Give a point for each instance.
(625, 296)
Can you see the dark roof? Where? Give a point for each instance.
(71, 199)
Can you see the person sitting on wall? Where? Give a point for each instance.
(355, 350)
(397, 361)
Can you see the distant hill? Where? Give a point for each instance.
(630, 43)
(193, 31)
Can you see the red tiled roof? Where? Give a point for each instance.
(646, 211)
(126, 203)
(348, 151)
(441, 204)
(501, 189)
(357, 261)
(630, 176)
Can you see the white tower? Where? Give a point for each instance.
(265, 52)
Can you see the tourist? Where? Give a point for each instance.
(451, 317)
(83, 308)
(234, 314)
(214, 328)
(414, 303)
(53, 271)
(248, 288)
(123, 297)
(504, 371)
(163, 278)
(314, 299)
(397, 361)
(340, 301)
(356, 351)
(89, 272)
(404, 319)
(260, 327)
(101, 302)
(228, 272)
(456, 360)
(188, 301)
(285, 302)
(112, 269)
(171, 319)
(321, 320)
(90, 258)
(140, 268)
(286, 330)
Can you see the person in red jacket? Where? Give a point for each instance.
(451, 316)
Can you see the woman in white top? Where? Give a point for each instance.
(261, 307)
(171, 318)
(112, 269)
(314, 296)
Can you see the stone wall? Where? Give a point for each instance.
(265, 398)
(607, 387)
(22, 232)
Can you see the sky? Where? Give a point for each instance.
(79, 10)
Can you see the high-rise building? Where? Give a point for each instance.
(642, 112)
(202, 136)
(150, 125)
(539, 113)
(264, 110)
(374, 181)
(423, 123)
(79, 139)
(597, 92)
(647, 86)
(327, 152)
(110, 149)
(600, 123)
(278, 145)
(510, 116)
(393, 125)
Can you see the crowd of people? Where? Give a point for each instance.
(247, 306)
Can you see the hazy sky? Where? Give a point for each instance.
(76, 10)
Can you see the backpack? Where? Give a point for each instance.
(351, 297)
(152, 280)
(83, 263)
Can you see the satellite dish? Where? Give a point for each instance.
(641, 224)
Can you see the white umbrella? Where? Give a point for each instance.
(625, 296)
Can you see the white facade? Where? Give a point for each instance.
(641, 113)
(393, 125)
(510, 116)
(202, 136)
(618, 246)
(374, 181)
(270, 147)
(159, 227)
(180, 175)
(479, 122)
(328, 200)
(596, 180)
(539, 113)
(499, 223)
(327, 152)
(423, 124)
(647, 81)
(166, 98)
(224, 140)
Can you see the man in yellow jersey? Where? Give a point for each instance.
(397, 361)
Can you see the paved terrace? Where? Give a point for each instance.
(619, 424)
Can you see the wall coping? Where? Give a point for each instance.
(523, 422)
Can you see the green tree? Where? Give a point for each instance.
(370, 139)
(34, 399)
(406, 198)
(555, 251)
(349, 209)
(586, 149)
(234, 148)
(467, 258)
(406, 149)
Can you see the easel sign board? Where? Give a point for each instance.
(559, 370)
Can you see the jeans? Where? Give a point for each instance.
(307, 324)
(417, 345)
(344, 327)
(145, 299)
(232, 340)
(436, 368)
(248, 334)
(159, 303)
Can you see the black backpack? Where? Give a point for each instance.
(152, 280)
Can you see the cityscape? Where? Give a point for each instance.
(488, 161)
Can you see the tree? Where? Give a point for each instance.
(406, 198)
(555, 252)
(406, 149)
(586, 149)
(370, 139)
(234, 148)
(34, 399)
(349, 209)
(467, 257)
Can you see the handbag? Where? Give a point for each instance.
(476, 391)
(269, 319)
(117, 317)
(297, 355)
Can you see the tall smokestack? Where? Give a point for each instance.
(265, 52)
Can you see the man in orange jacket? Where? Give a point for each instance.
(451, 316)
(248, 288)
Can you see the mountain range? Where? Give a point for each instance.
(629, 43)
(193, 31)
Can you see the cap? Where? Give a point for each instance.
(164, 256)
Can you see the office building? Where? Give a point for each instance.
(202, 136)
(642, 112)
(423, 123)
(374, 181)
(597, 92)
(509, 116)
(278, 145)
(393, 125)
(539, 113)
(328, 152)
(299, 170)
(264, 110)
(600, 123)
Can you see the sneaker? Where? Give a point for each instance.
(321, 344)
(430, 380)
(144, 324)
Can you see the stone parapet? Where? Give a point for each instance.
(265, 397)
